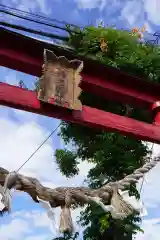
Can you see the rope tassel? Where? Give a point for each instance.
(5, 194)
(121, 208)
(122, 205)
(66, 224)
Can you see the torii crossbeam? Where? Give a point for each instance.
(26, 54)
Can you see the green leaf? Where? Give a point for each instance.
(67, 162)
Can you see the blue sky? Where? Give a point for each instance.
(22, 132)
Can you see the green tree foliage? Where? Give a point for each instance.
(113, 154)
(67, 236)
(124, 51)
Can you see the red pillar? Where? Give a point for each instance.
(156, 112)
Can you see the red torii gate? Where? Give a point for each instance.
(25, 54)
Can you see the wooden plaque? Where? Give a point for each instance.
(59, 83)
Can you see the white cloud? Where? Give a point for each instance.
(150, 195)
(24, 117)
(32, 6)
(153, 9)
(141, 12)
(15, 230)
(17, 142)
(89, 4)
(29, 5)
(151, 229)
(40, 237)
(26, 225)
(133, 12)
(39, 219)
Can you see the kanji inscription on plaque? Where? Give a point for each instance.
(59, 83)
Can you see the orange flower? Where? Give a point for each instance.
(135, 30)
(143, 29)
(103, 45)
